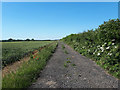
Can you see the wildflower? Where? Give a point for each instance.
(73, 40)
(88, 50)
(103, 50)
(33, 57)
(94, 53)
(113, 40)
(115, 46)
(109, 54)
(107, 47)
(113, 43)
(96, 50)
(105, 43)
(98, 46)
(98, 54)
(83, 47)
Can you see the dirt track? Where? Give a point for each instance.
(86, 74)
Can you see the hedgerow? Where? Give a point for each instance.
(101, 45)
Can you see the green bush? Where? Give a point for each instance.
(101, 44)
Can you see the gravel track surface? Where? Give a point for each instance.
(84, 74)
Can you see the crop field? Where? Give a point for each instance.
(26, 74)
(13, 51)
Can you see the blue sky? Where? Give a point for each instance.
(53, 20)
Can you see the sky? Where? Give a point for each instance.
(60, 0)
(53, 20)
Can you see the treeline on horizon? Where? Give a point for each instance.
(13, 40)
(101, 45)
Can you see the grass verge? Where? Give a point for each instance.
(29, 71)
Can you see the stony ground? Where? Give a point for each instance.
(81, 72)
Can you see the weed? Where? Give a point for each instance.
(68, 58)
(68, 61)
(63, 47)
(73, 64)
(65, 65)
(66, 52)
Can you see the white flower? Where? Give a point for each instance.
(105, 43)
(73, 40)
(103, 50)
(113, 43)
(83, 47)
(94, 53)
(98, 46)
(113, 40)
(88, 50)
(96, 50)
(98, 54)
(115, 46)
(109, 54)
(107, 47)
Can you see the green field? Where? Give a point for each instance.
(29, 71)
(13, 51)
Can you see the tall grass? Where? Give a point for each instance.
(29, 71)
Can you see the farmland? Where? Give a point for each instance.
(66, 67)
(29, 71)
(13, 51)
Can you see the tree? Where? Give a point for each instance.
(32, 39)
(27, 40)
(10, 39)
